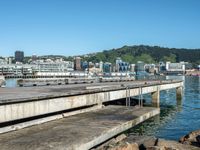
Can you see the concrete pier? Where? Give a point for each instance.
(19, 103)
(71, 116)
(79, 132)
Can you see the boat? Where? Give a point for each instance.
(2, 81)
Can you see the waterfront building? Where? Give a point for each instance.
(118, 60)
(19, 56)
(162, 66)
(8, 60)
(85, 65)
(107, 67)
(114, 68)
(3, 61)
(31, 69)
(64, 66)
(139, 67)
(77, 64)
(175, 67)
(150, 68)
(101, 66)
(121, 66)
(17, 69)
(132, 68)
(34, 57)
(91, 65)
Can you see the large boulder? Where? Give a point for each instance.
(193, 138)
(173, 145)
(143, 141)
(125, 146)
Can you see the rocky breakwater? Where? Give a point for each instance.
(193, 138)
(135, 142)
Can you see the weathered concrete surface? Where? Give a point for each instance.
(156, 98)
(45, 92)
(53, 81)
(79, 132)
(32, 122)
(19, 103)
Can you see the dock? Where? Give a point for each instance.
(74, 116)
(82, 131)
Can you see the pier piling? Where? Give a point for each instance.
(156, 98)
(179, 93)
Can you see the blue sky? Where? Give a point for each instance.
(72, 27)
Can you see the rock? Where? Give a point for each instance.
(111, 143)
(125, 146)
(193, 138)
(173, 145)
(143, 141)
(120, 137)
(198, 139)
(155, 148)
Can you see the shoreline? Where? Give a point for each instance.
(193, 73)
(191, 141)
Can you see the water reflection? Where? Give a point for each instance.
(151, 127)
(177, 118)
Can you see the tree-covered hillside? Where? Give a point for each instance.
(148, 54)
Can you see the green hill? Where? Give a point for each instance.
(148, 54)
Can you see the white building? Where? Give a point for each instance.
(30, 69)
(3, 62)
(175, 66)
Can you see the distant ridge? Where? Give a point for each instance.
(148, 54)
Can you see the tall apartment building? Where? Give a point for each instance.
(19, 56)
(77, 64)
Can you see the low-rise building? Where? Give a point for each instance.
(175, 67)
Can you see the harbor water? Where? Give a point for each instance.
(176, 118)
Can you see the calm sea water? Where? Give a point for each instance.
(176, 119)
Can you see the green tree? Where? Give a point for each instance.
(171, 58)
(128, 58)
(145, 58)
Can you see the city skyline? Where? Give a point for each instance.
(82, 27)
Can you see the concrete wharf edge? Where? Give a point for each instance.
(24, 94)
(19, 103)
(82, 131)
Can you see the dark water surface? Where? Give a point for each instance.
(176, 119)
